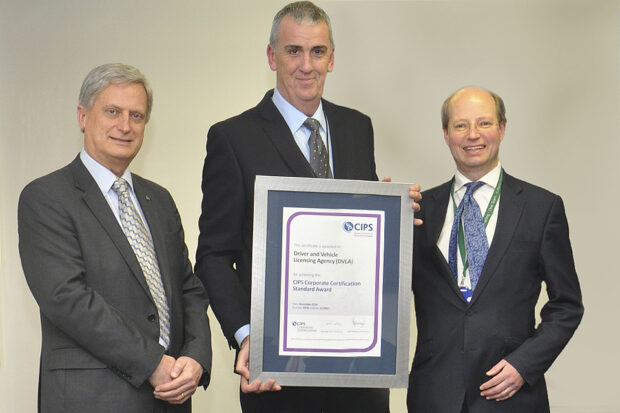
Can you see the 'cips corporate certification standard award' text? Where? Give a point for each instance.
(331, 300)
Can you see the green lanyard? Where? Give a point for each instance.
(487, 218)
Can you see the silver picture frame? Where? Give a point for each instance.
(391, 368)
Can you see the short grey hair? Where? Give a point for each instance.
(500, 109)
(102, 76)
(300, 11)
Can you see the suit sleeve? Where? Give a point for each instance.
(221, 234)
(371, 144)
(197, 332)
(53, 264)
(563, 312)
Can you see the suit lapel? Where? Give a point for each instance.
(278, 132)
(152, 213)
(101, 210)
(434, 218)
(339, 139)
(511, 207)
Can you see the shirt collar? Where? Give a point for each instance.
(489, 179)
(293, 117)
(103, 176)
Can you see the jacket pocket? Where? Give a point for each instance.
(73, 358)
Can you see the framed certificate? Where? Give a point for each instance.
(331, 282)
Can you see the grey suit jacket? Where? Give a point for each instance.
(457, 343)
(99, 324)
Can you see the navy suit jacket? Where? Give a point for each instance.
(457, 343)
(99, 324)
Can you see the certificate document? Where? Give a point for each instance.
(332, 281)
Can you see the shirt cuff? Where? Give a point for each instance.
(242, 333)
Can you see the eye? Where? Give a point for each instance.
(137, 116)
(293, 50)
(112, 111)
(485, 124)
(319, 51)
(460, 126)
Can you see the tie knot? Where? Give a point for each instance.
(472, 186)
(119, 186)
(312, 124)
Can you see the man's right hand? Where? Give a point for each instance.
(161, 374)
(242, 368)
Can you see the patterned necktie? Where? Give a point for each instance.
(319, 159)
(476, 242)
(142, 246)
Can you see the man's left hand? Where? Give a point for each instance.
(415, 195)
(505, 383)
(185, 376)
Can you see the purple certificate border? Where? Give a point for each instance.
(285, 348)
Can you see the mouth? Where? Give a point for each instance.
(474, 148)
(120, 140)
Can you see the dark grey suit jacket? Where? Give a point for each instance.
(457, 343)
(259, 142)
(99, 324)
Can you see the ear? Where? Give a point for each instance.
(445, 136)
(330, 67)
(81, 117)
(271, 57)
(502, 130)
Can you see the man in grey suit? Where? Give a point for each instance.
(123, 318)
(488, 242)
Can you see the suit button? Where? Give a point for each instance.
(468, 312)
(152, 318)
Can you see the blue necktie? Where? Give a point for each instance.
(476, 242)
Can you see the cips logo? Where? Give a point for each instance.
(298, 323)
(349, 226)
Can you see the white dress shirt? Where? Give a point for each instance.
(482, 196)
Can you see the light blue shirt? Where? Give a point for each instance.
(105, 179)
(295, 119)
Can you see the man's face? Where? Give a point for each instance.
(114, 125)
(474, 133)
(302, 58)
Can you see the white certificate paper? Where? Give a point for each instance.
(332, 281)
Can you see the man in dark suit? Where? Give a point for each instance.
(476, 280)
(123, 318)
(271, 139)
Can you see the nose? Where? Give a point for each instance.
(123, 123)
(306, 65)
(473, 132)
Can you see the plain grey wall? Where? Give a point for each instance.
(555, 63)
